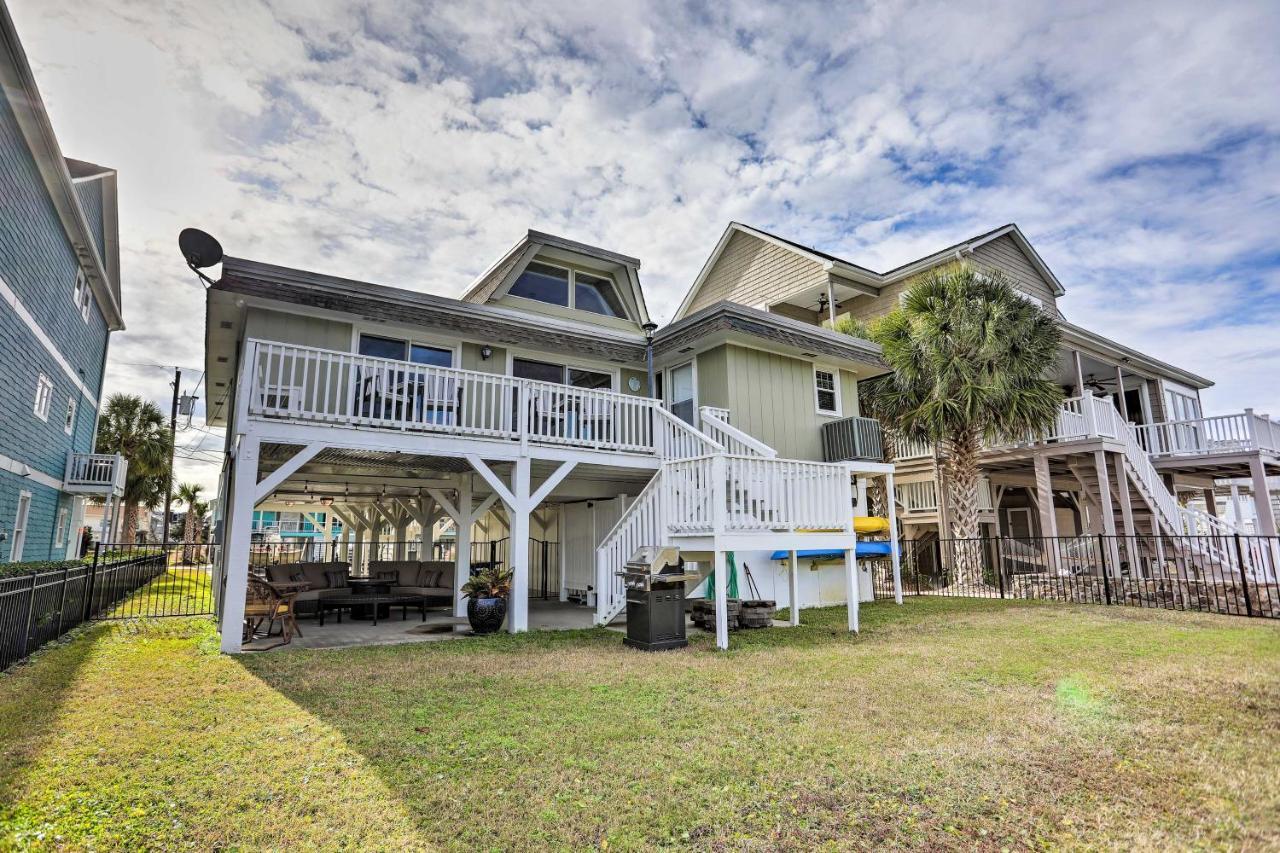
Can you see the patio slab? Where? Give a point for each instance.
(439, 625)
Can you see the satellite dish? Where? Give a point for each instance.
(199, 248)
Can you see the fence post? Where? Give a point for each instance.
(1106, 571)
(62, 599)
(91, 583)
(1244, 577)
(31, 606)
(999, 565)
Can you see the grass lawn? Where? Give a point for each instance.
(947, 723)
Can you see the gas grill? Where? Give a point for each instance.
(654, 578)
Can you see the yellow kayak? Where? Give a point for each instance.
(861, 524)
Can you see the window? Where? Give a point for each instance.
(60, 529)
(543, 371)
(1182, 407)
(543, 283)
(597, 295)
(556, 286)
(82, 295)
(402, 350)
(683, 402)
(20, 527)
(69, 425)
(827, 390)
(44, 396)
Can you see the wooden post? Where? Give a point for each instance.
(794, 580)
(895, 557)
(1048, 517)
(1262, 497)
(851, 585)
(722, 599)
(239, 524)
(1106, 509)
(462, 559)
(1126, 514)
(518, 547)
(1124, 407)
(1211, 502)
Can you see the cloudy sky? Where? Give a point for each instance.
(1137, 145)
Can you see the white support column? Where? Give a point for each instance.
(794, 579)
(1124, 406)
(1126, 516)
(1106, 509)
(238, 526)
(722, 599)
(518, 554)
(851, 585)
(1262, 497)
(561, 551)
(462, 521)
(895, 557)
(1237, 514)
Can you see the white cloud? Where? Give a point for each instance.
(411, 144)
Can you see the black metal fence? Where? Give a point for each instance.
(1230, 574)
(544, 556)
(115, 582)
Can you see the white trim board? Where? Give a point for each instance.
(10, 298)
(22, 469)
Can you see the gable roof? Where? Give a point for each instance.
(490, 282)
(862, 275)
(19, 86)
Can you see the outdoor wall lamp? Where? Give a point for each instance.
(486, 352)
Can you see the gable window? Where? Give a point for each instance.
(82, 295)
(597, 295)
(44, 396)
(827, 391)
(569, 289)
(543, 283)
(70, 424)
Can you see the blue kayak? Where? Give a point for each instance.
(865, 549)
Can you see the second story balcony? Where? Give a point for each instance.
(95, 474)
(1244, 432)
(306, 384)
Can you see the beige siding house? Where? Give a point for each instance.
(1130, 420)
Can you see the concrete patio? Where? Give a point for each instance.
(440, 624)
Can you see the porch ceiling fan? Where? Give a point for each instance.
(1091, 382)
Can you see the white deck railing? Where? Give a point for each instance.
(1243, 432)
(303, 383)
(920, 496)
(905, 449)
(95, 472)
(715, 423)
(717, 494)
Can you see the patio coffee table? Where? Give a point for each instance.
(368, 605)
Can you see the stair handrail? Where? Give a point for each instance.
(648, 509)
(734, 440)
(1109, 423)
(681, 440)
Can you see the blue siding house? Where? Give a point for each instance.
(59, 304)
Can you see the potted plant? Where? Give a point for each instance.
(487, 593)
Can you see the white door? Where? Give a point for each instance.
(20, 527)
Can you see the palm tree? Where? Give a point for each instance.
(970, 358)
(189, 494)
(135, 428)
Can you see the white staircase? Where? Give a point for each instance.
(736, 487)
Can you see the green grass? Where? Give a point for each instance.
(946, 724)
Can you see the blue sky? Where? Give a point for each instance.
(1137, 146)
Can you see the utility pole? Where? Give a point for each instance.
(173, 434)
